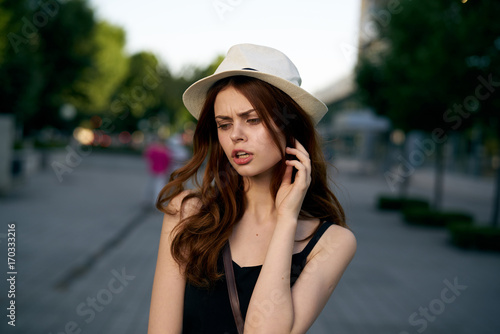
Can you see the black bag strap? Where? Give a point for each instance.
(231, 288)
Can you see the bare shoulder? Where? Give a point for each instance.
(341, 234)
(181, 210)
(190, 206)
(337, 241)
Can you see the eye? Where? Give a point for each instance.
(223, 126)
(254, 120)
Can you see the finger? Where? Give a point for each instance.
(296, 163)
(302, 171)
(287, 176)
(301, 148)
(303, 158)
(297, 152)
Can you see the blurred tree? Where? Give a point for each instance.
(436, 68)
(92, 91)
(67, 52)
(56, 58)
(20, 64)
(174, 87)
(48, 50)
(150, 91)
(138, 93)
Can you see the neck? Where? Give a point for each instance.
(259, 200)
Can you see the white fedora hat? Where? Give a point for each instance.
(260, 62)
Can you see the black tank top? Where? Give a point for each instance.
(208, 311)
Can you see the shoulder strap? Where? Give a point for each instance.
(317, 235)
(231, 288)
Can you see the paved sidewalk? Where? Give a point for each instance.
(399, 281)
(86, 251)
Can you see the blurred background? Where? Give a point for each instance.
(92, 124)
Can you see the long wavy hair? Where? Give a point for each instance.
(200, 237)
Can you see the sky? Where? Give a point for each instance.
(319, 36)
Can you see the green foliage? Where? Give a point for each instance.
(92, 91)
(150, 91)
(47, 51)
(5, 17)
(174, 90)
(66, 53)
(20, 70)
(138, 91)
(428, 59)
(55, 53)
(435, 218)
(476, 237)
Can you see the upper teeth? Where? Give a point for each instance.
(241, 153)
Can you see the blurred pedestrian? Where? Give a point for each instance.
(180, 154)
(262, 243)
(158, 158)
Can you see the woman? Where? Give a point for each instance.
(264, 192)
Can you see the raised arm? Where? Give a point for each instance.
(167, 298)
(274, 307)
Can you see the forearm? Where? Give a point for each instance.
(270, 309)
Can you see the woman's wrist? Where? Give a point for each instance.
(287, 219)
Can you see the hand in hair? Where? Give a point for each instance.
(291, 195)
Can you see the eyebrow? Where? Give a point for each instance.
(242, 114)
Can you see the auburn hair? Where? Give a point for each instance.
(199, 238)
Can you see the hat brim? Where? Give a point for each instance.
(194, 96)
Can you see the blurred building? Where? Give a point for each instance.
(363, 142)
(354, 134)
(355, 137)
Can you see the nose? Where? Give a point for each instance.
(238, 133)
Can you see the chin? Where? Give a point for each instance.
(252, 171)
(244, 171)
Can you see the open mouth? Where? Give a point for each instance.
(242, 155)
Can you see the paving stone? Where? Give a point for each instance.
(398, 269)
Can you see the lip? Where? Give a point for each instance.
(234, 152)
(241, 161)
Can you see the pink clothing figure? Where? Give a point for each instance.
(159, 158)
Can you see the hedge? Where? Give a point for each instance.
(476, 237)
(429, 217)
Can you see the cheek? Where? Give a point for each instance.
(224, 143)
(266, 140)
